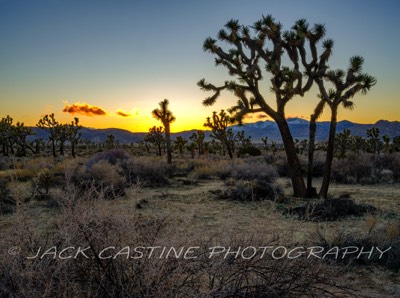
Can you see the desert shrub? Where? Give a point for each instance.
(254, 190)
(318, 164)
(366, 169)
(112, 156)
(151, 171)
(103, 177)
(386, 167)
(353, 169)
(330, 210)
(253, 169)
(282, 166)
(385, 236)
(91, 223)
(203, 168)
(248, 150)
(42, 182)
(7, 203)
(241, 169)
(5, 163)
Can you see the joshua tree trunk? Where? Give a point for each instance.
(329, 154)
(53, 145)
(299, 188)
(229, 149)
(311, 192)
(73, 149)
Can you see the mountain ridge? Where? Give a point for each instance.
(257, 130)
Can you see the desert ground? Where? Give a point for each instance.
(126, 203)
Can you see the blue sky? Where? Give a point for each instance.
(130, 55)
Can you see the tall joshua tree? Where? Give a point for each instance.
(250, 57)
(166, 117)
(345, 86)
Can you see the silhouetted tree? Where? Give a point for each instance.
(198, 138)
(21, 133)
(166, 117)
(373, 140)
(180, 143)
(155, 136)
(110, 142)
(358, 144)
(6, 132)
(247, 59)
(73, 134)
(49, 124)
(219, 124)
(345, 86)
(386, 140)
(343, 141)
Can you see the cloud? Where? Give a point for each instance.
(84, 109)
(123, 114)
(262, 116)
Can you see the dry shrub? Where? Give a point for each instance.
(113, 156)
(366, 169)
(152, 171)
(101, 176)
(254, 190)
(382, 235)
(254, 168)
(89, 222)
(330, 210)
(203, 168)
(5, 163)
(250, 168)
(7, 203)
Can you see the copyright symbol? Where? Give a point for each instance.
(15, 250)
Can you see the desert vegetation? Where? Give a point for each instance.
(108, 219)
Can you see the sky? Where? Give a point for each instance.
(110, 63)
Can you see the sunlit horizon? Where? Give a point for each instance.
(124, 58)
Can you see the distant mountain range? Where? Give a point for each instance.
(299, 128)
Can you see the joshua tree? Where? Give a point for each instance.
(198, 138)
(165, 116)
(61, 136)
(73, 134)
(21, 132)
(396, 144)
(49, 124)
(250, 55)
(180, 143)
(265, 142)
(191, 147)
(386, 140)
(374, 142)
(345, 86)
(358, 144)
(6, 128)
(155, 136)
(218, 124)
(343, 141)
(110, 142)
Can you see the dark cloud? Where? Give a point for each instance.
(123, 114)
(84, 109)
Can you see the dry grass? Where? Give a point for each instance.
(184, 215)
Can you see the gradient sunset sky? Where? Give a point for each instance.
(124, 57)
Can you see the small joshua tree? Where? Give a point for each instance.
(218, 124)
